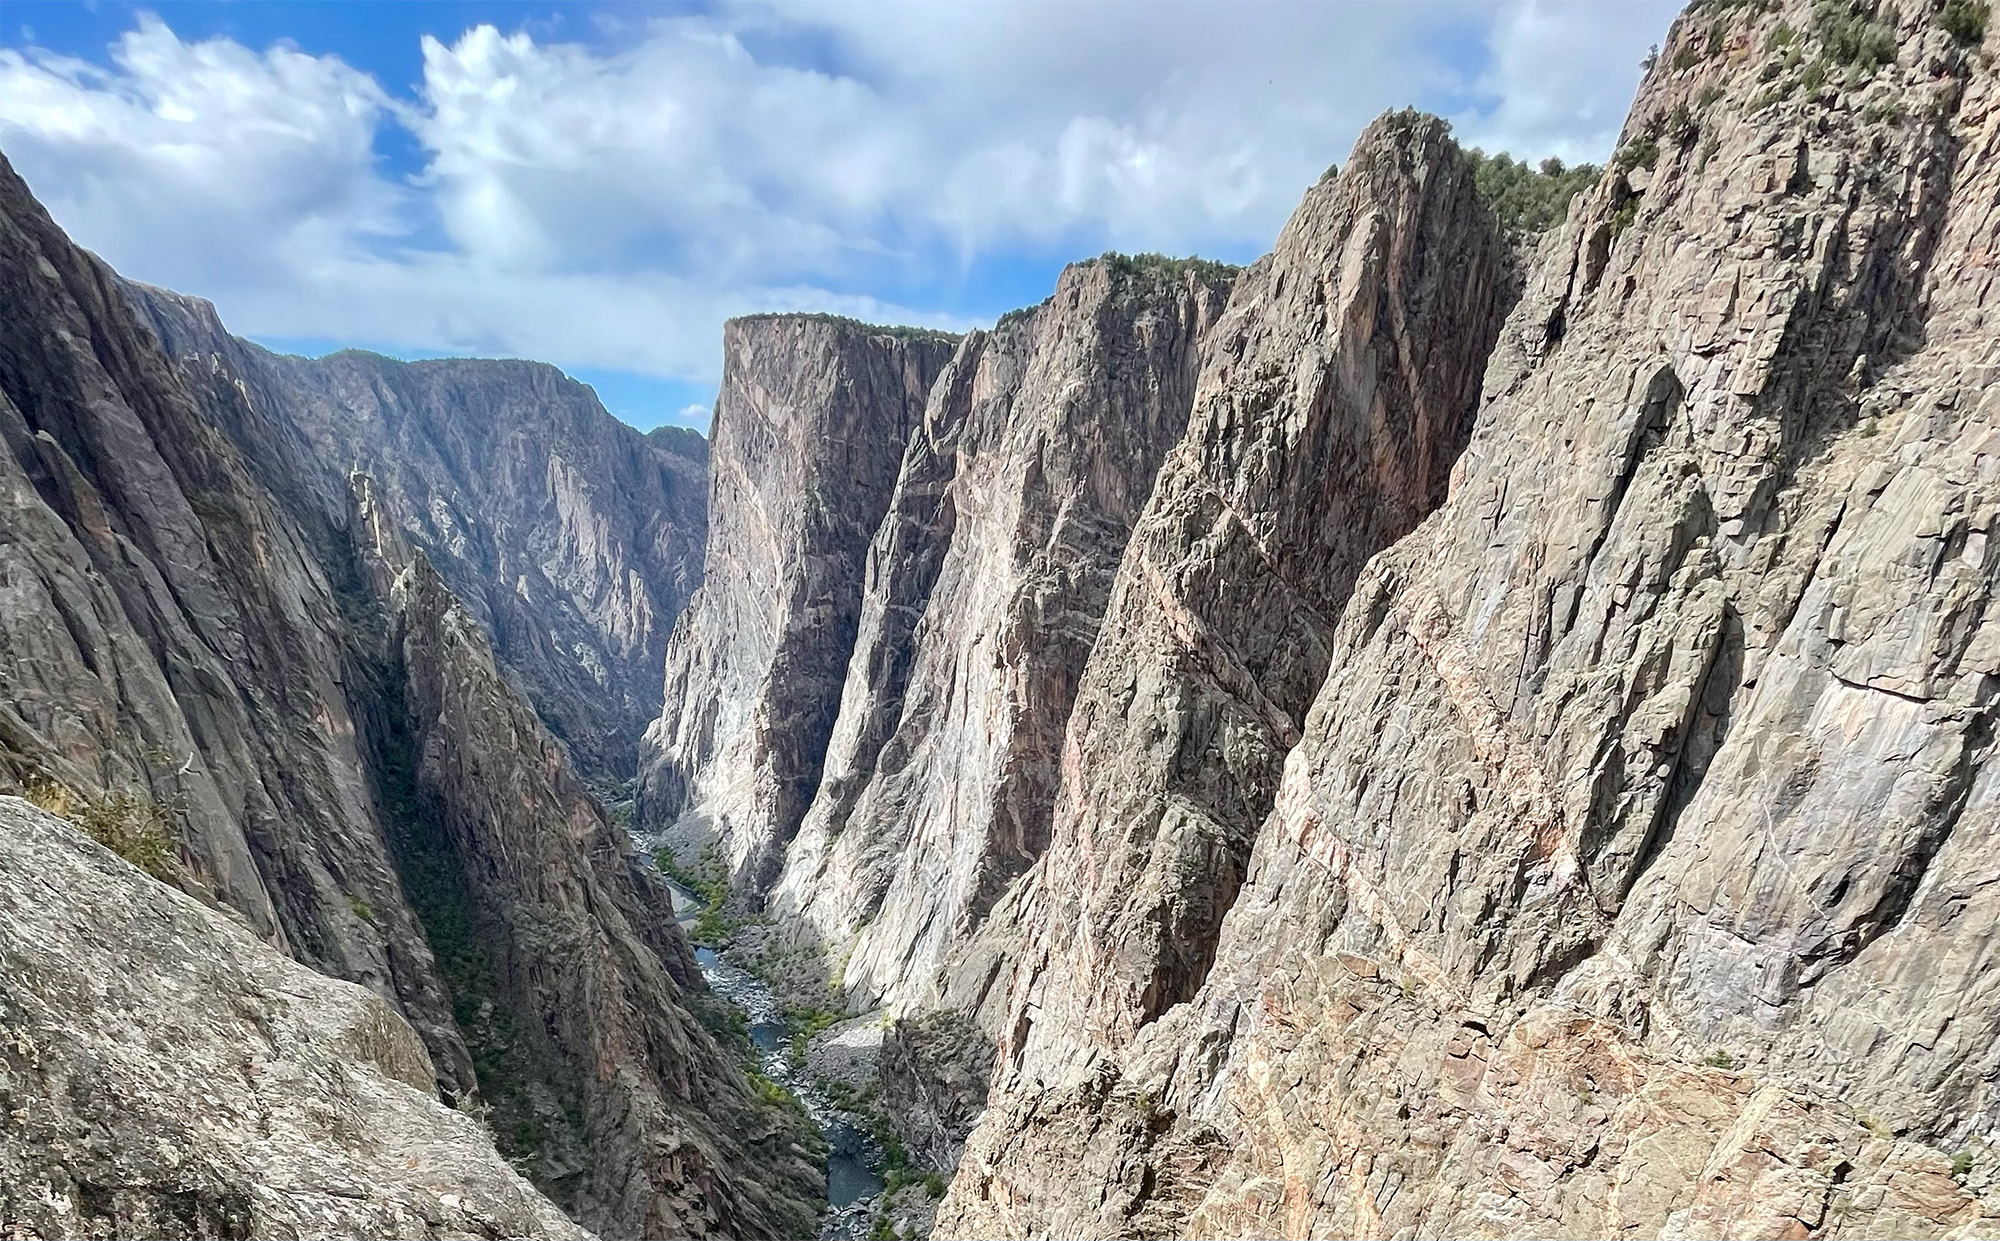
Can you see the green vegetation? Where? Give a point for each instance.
(806, 1024)
(1169, 268)
(1965, 20)
(1851, 34)
(1641, 152)
(897, 331)
(1719, 1059)
(897, 1170)
(771, 1092)
(1961, 1163)
(1753, 7)
(131, 825)
(713, 927)
(361, 908)
(882, 1230)
(1527, 199)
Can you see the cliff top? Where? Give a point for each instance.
(898, 331)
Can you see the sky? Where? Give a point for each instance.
(600, 185)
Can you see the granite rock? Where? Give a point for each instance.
(809, 428)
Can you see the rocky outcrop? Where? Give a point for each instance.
(1339, 390)
(1630, 873)
(986, 583)
(306, 706)
(809, 429)
(573, 539)
(167, 1074)
(166, 632)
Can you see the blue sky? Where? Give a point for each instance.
(600, 185)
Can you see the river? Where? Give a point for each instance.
(852, 1163)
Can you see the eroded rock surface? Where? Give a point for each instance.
(656, 1131)
(167, 1074)
(986, 584)
(573, 539)
(1630, 874)
(810, 426)
(301, 699)
(1338, 390)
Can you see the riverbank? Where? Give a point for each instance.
(873, 1194)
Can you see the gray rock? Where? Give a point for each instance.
(573, 539)
(1338, 390)
(1624, 878)
(986, 584)
(301, 699)
(167, 1074)
(809, 427)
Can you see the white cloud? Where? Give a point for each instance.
(607, 208)
(1563, 72)
(215, 163)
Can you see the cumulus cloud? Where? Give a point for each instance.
(216, 163)
(606, 203)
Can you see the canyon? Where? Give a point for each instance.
(1478, 723)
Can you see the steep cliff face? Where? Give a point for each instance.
(164, 629)
(570, 962)
(1339, 389)
(986, 583)
(810, 426)
(166, 1074)
(303, 702)
(573, 539)
(1631, 872)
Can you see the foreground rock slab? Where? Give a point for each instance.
(165, 1073)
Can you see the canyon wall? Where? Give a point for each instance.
(573, 539)
(1630, 872)
(1338, 391)
(985, 587)
(811, 422)
(318, 738)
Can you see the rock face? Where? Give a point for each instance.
(165, 630)
(1630, 874)
(328, 732)
(167, 1074)
(809, 429)
(986, 583)
(570, 957)
(573, 539)
(1339, 389)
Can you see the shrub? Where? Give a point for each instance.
(131, 825)
(1528, 199)
(1965, 20)
(1169, 268)
(1852, 35)
(1641, 152)
(1719, 1059)
(1961, 1163)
